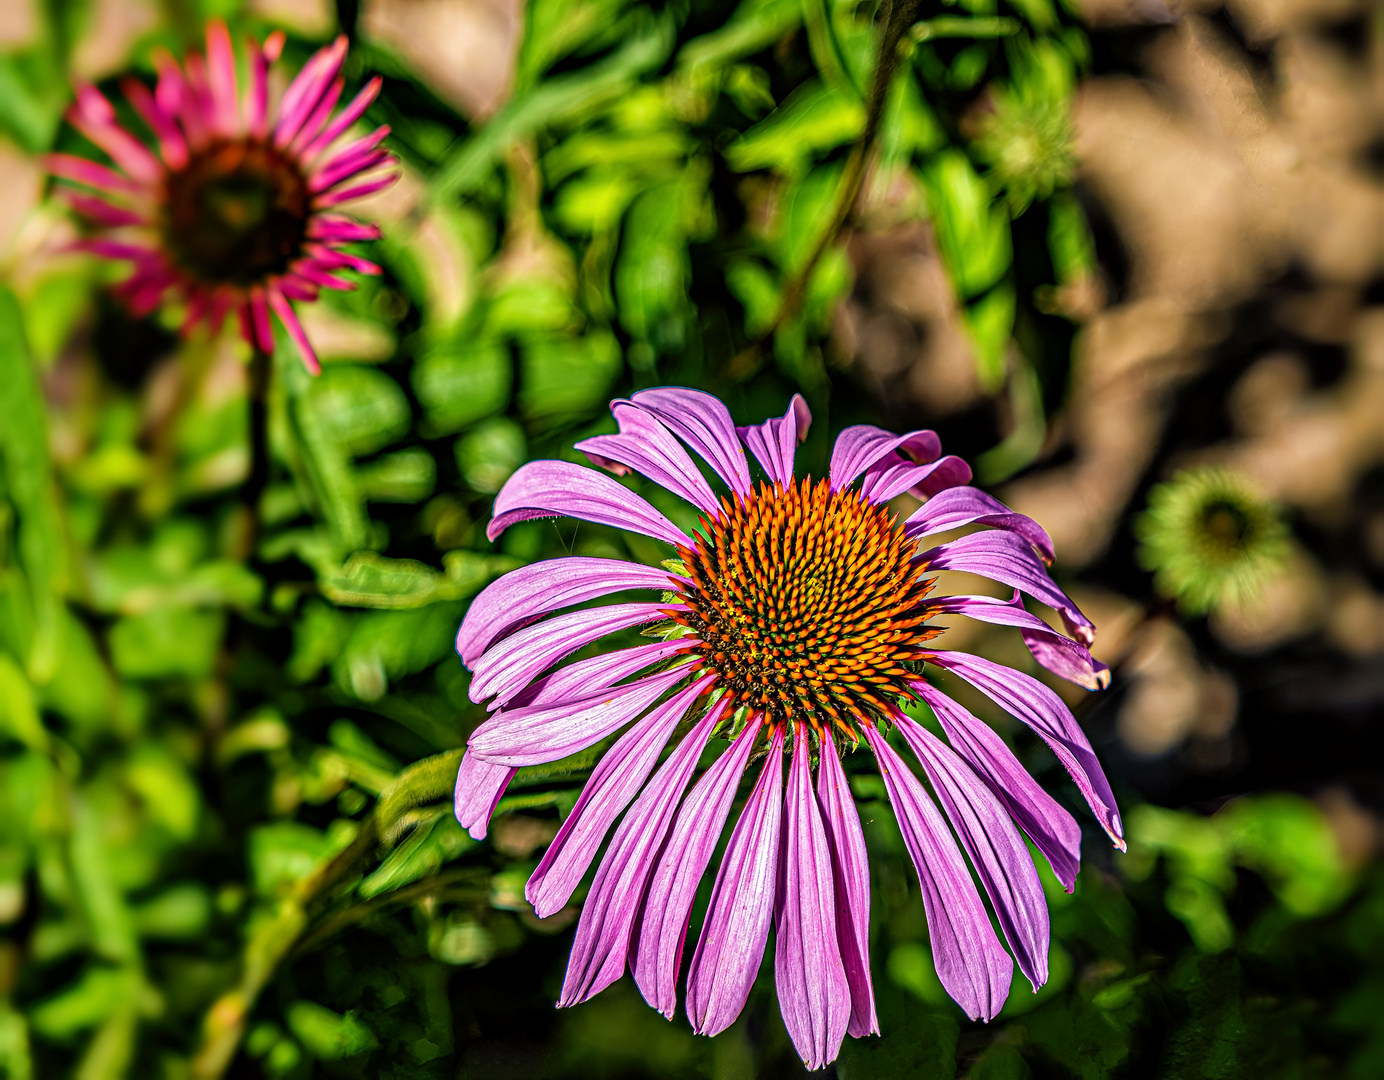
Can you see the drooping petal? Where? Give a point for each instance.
(859, 447)
(971, 964)
(558, 488)
(994, 845)
(1053, 830)
(1042, 710)
(546, 586)
(480, 784)
(91, 173)
(959, 506)
(284, 310)
(606, 929)
(851, 873)
(774, 443)
(94, 117)
(647, 447)
(99, 210)
(884, 482)
(617, 778)
(809, 975)
(1056, 652)
(1008, 559)
(673, 885)
(597, 673)
(542, 733)
(736, 929)
(704, 423)
(171, 143)
(510, 663)
(334, 228)
(259, 320)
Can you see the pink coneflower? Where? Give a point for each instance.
(792, 623)
(236, 210)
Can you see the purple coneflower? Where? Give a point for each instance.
(236, 211)
(793, 623)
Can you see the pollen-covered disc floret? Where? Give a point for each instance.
(806, 603)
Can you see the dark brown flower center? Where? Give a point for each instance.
(237, 213)
(806, 603)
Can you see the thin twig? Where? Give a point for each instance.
(898, 15)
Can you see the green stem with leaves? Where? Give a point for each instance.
(273, 939)
(896, 17)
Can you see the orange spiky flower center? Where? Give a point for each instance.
(806, 603)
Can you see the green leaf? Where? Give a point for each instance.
(815, 118)
(407, 476)
(921, 1047)
(490, 452)
(989, 322)
(327, 1035)
(972, 232)
(87, 1002)
(167, 643)
(42, 546)
(1069, 240)
(384, 645)
(179, 913)
(361, 409)
(565, 375)
(283, 853)
(432, 844)
(754, 26)
(458, 383)
(552, 102)
(374, 581)
(19, 717)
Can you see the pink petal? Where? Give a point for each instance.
(559, 488)
(345, 195)
(884, 481)
(961, 506)
(645, 446)
(480, 785)
(508, 665)
(172, 146)
(538, 734)
(597, 673)
(606, 928)
(1056, 652)
(775, 442)
(93, 116)
(996, 849)
(101, 211)
(736, 929)
(1042, 710)
(814, 996)
(971, 964)
(851, 873)
(673, 886)
(546, 586)
(1053, 830)
(286, 315)
(81, 171)
(347, 117)
(333, 228)
(1008, 559)
(259, 320)
(256, 105)
(177, 99)
(857, 448)
(704, 424)
(221, 79)
(346, 168)
(616, 780)
(307, 89)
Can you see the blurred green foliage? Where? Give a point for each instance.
(229, 726)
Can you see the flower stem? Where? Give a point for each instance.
(273, 939)
(897, 15)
